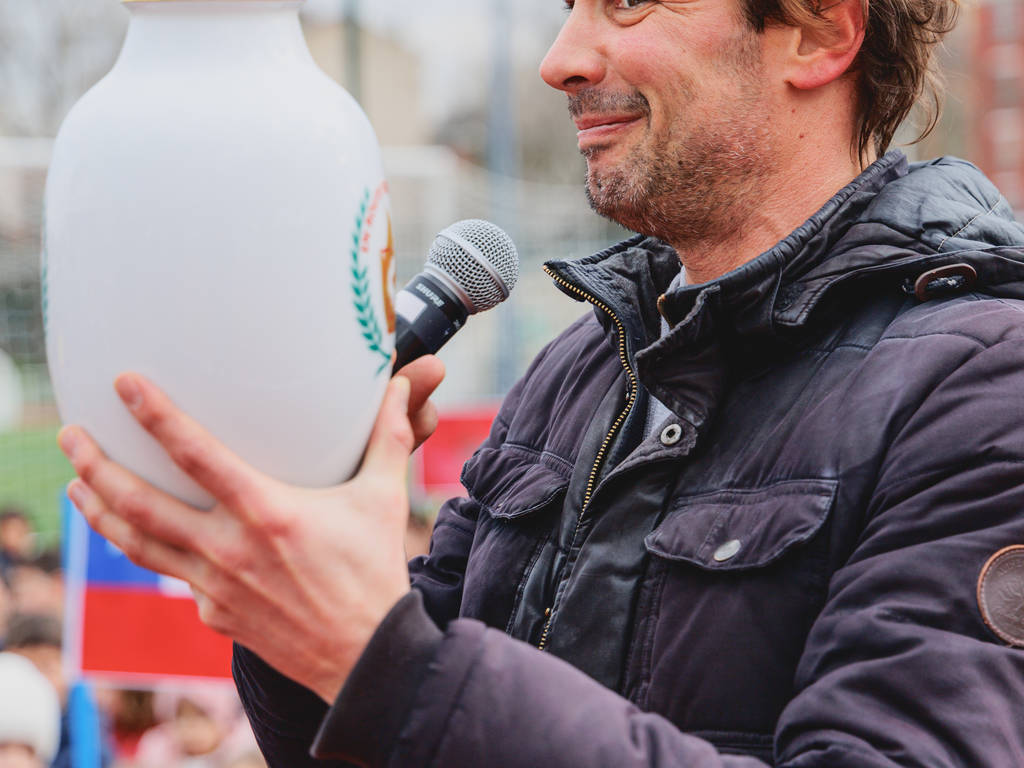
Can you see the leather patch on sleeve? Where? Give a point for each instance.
(1001, 594)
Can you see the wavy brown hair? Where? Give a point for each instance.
(896, 66)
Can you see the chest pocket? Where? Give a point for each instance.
(736, 579)
(520, 492)
(741, 529)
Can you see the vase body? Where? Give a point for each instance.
(217, 220)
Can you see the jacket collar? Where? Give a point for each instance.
(753, 294)
(888, 222)
(894, 219)
(629, 276)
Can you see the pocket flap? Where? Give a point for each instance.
(742, 528)
(512, 481)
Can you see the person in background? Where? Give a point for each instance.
(17, 539)
(130, 715)
(37, 584)
(38, 638)
(29, 715)
(16, 543)
(200, 728)
(6, 607)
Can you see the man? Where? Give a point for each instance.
(766, 509)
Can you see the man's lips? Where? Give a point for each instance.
(591, 128)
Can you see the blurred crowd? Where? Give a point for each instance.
(195, 727)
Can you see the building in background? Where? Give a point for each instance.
(389, 72)
(997, 80)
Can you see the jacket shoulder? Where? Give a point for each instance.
(584, 342)
(986, 320)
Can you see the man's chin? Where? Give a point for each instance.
(611, 204)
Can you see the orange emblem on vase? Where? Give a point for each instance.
(387, 268)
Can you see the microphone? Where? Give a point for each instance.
(472, 266)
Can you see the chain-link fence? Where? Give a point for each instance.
(32, 471)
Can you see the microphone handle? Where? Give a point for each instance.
(426, 316)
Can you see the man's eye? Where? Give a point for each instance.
(617, 4)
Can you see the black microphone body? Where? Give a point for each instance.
(472, 266)
(426, 317)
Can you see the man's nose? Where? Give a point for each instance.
(576, 59)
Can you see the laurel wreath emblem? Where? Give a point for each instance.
(361, 296)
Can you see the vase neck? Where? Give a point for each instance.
(257, 33)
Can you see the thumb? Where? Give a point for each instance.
(392, 441)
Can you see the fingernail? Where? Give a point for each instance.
(78, 493)
(68, 442)
(129, 392)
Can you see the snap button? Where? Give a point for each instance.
(671, 434)
(727, 551)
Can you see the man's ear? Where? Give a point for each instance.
(823, 50)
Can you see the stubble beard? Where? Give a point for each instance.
(691, 186)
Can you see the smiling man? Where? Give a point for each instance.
(674, 116)
(761, 508)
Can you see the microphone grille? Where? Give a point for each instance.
(480, 258)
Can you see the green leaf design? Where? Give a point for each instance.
(361, 292)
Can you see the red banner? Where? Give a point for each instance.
(438, 463)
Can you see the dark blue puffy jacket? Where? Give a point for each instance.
(816, 561)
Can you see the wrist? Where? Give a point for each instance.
(329, 688)
(337, 667)
(368, 714)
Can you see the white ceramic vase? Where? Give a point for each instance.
(217, 220)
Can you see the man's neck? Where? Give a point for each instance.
(779, 205)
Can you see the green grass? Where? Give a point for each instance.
(33, 472)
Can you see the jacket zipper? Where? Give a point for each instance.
(603, 451)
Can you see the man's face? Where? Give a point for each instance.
(671, 104)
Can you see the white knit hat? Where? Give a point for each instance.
(29, 708)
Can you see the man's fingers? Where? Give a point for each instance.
(154, 513)
(424, 375)
(424, 422)
(196, 451)
(211, 613)
(391, 442)
(140, 548)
